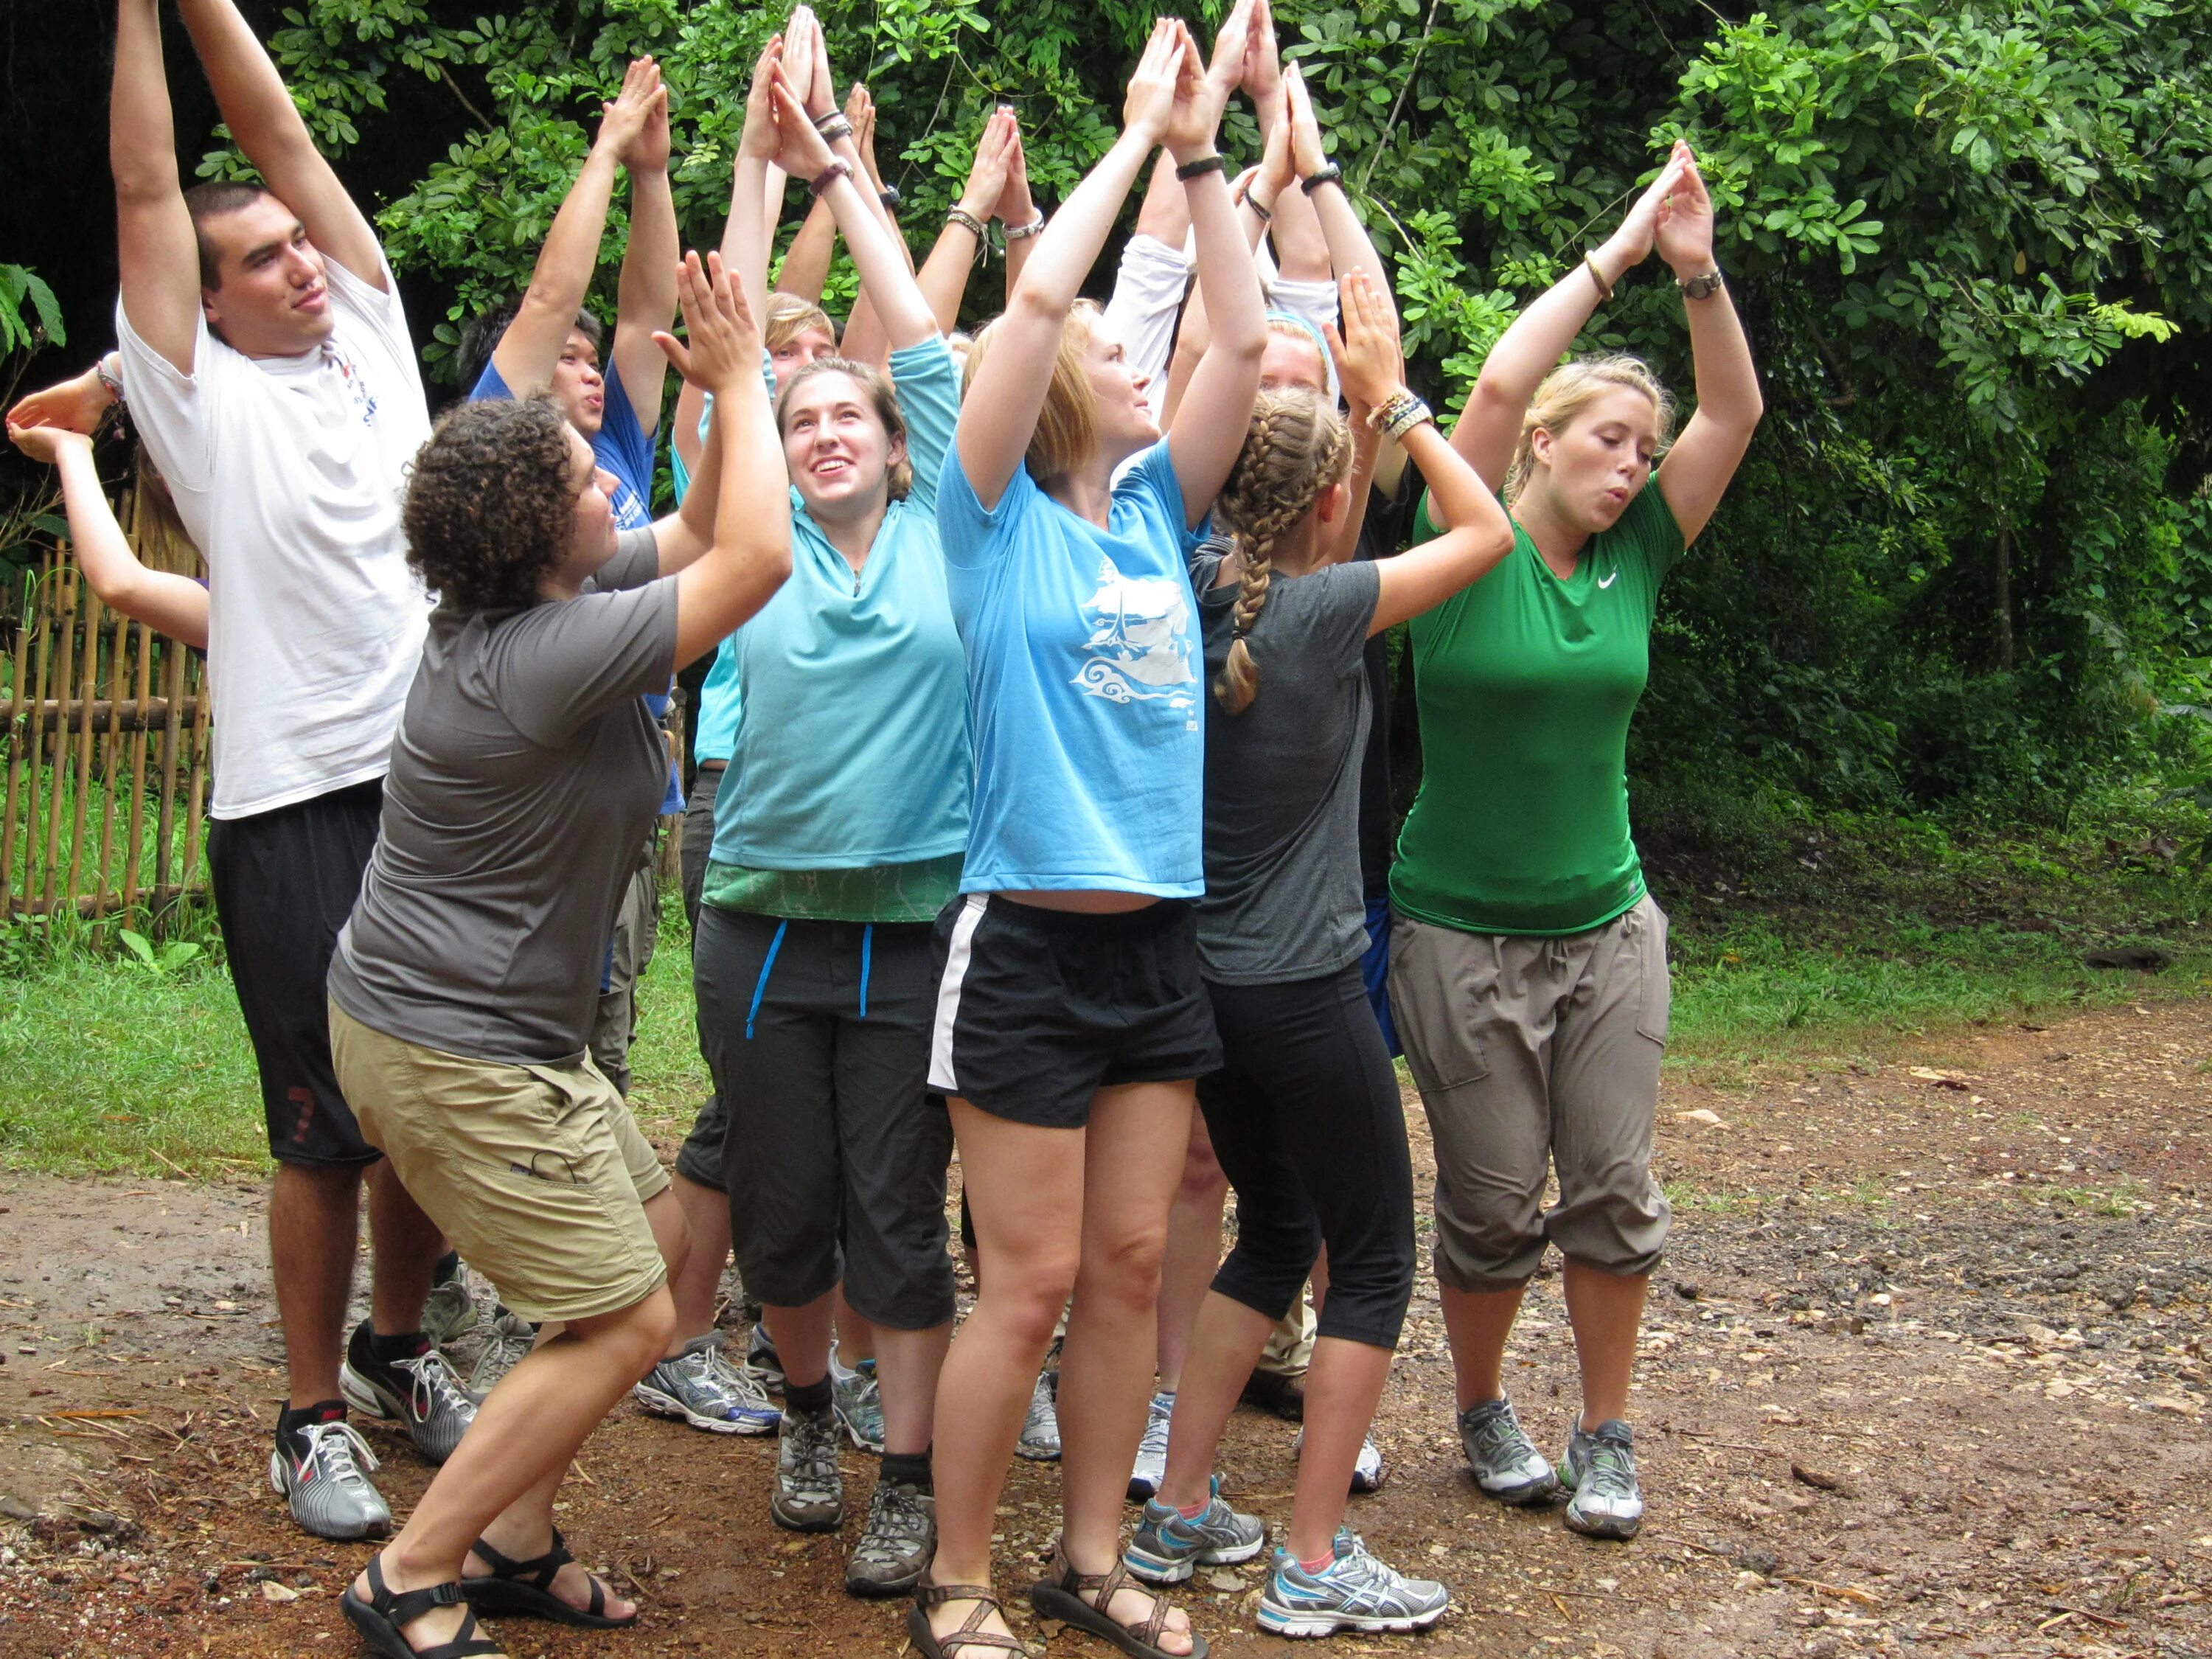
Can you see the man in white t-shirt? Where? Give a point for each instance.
(268, 371)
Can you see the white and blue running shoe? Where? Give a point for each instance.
(1355, 1591)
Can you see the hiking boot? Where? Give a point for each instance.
(451, 1308)
(1151, 1466)
(1600, 1469)
(1366, 1473)
(318, 1467)
(761, 1358)
(896, 1545)
(420, 1392)
(1039, 1441)
(511, 1337)
(860, 1403)
(698, 1386)
(1507, 1465)
(810, 1493)
(1170, 1546)
(1354, 1591)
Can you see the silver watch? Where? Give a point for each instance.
(1700, 287)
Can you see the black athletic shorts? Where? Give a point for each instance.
(1038, 1010)
(285, 881)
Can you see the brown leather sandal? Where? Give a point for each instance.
(1061, 1596)
(972, 1634)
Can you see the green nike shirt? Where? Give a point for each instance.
(1526, 684)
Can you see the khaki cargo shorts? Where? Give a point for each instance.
(538, 1174)
(1535, 1051)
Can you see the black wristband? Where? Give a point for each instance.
(889, 194)
(1327, 173)
(1188, 171)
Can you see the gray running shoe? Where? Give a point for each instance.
(697, 1387)
(450, 1309)
(1171, 1546)
(1600, 1468)
(1039, 1441)
(897, 1544)
(422, 1394)
(1151, 1466)
(321, 1479)
(1507, 1465)
(1355, 1591)
(510, 1338)
(860, 1403)
(761, 1358)
(810, 1493)
(1367, 1473)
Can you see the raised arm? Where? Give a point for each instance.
(1366, 353)
(155, 247)
(166, 603)
(905, 316)
(1489, 428)
(530, 348)
(998, 415)
(1210, 425)
(266, 125)
(743, 486)
(645, 298)
(1697, 469)
(944, 275)
(1349, 246)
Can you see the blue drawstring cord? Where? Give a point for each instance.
(868, 946)
(760, 989)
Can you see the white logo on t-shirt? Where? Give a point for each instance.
(1140, 645)
(1606, 580)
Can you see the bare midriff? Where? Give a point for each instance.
(1094, 903)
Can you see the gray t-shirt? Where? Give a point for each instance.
(1283, 895)
(525, 775)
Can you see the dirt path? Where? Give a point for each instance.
(1926, 1373)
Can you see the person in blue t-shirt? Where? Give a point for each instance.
(839, 830)
(547, 344)
(1071, 1020)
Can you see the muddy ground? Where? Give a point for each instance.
(1926, 1372)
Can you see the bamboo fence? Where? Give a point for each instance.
(106, 744)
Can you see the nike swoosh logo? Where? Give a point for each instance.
(1609, 580)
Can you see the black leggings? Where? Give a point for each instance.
(1306, 1122)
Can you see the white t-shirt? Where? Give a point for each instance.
(288, 472)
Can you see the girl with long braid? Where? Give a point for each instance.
(1529, 968)
(1304, 1114)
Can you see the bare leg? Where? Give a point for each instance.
(1477, 1323)
(1224, 1347)
(1606, 1310)
(908, 1363)
(314, 1218)
(697, 1290)
(525, 1434)
(1193, 1251)
(801, 1336)
(406, 1245)
(1343, 1387)
(856, 1337)
(671, 1231)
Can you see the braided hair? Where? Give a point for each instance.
(1295, 447)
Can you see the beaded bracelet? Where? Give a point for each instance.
(1391, 408)
(1022, 233)
(1415, 414)
(967, 221)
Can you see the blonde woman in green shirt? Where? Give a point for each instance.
(1528, 970)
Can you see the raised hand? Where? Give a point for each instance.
(1308, 155)
(1369, 365)
(648, 152)
(820, 92)
(804, 151)
(798, 50)
(860, 111)
(1275, 173)
(1639, 230)
(1684, 228)
(622, 122)
(1263, 74)
(1151, 97)
(1015, 206)
(45, 443)
(724, 344)
(77, 404)
(987, 173)
(1195, 117)
(760, 138)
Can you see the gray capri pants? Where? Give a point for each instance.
(1529, 1049)
(699, 1159)
(817, 1035)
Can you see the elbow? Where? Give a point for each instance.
(774, 561)
(1029, 302)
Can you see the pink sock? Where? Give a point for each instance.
(1192, 1511)
(1319, 1564)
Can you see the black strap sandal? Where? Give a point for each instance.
(526, 1587)
(1061, 1596)
(972, 1634)
(387, 1612)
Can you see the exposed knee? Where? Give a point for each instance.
(637, 1336)
(1203, 1179)
(1029, 1296)
(1125, 1269)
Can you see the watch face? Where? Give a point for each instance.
(1699, 288)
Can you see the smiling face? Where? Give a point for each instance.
(270, 299)
(578, 389)
(1117, 390)
(836, 447)
(1594, 464)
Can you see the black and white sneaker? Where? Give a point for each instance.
(419, 1393)
(1507, 1465)
(319, 1470)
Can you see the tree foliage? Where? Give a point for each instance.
(1971, 552)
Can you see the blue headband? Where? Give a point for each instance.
(1320, 344)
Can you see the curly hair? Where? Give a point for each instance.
(1295, 447)
(491, 503)
(875, 391)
